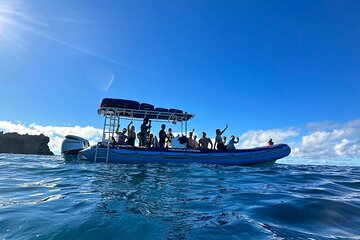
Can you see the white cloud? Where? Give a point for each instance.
(257, 138)
(343, 140)
(347, 147)
(354, 123)
(337, 142)
(55, 133)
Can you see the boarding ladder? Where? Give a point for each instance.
(106, 157)
(110, 123)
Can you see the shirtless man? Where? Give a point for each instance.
(121, 136)
(191, 142)
(204, 141)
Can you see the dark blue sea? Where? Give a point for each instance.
(47, 198)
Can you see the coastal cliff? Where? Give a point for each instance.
(24, 144)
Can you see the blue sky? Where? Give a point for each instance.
(256, 65)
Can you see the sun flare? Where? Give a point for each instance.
(15, 23)
(6, 12)
(18, 21)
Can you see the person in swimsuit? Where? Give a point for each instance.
(169, 136)
(219, 144)
(131, 134)
(204, 141)
(232, 142)
(121, 136)
(191, 142)
(153, 141)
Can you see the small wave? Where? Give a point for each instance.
(53, 199)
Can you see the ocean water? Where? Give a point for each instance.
(46, 198)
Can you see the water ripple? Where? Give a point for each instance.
(47, 198)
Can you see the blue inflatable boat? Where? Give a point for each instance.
(113, 110)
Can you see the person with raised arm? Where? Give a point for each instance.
(232, 142)
(219, 144)
(121, 136)
(191, 142)
(131, 134)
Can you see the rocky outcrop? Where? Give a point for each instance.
(24, 144)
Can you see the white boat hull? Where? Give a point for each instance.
(262, 156)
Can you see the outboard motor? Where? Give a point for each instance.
(72, 145)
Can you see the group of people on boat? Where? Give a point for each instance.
(163, 140)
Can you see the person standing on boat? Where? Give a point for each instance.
(162, 136)
(169, 136)
(219, 144)
(232, 142)
(131, 134)
(144, 130)
(204, 141)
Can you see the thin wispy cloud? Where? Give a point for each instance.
(70, 20)
(11, 16)
(19, 23)
(8, 14)
(110, 82)
(72, 46)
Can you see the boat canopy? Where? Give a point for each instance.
(135, 110)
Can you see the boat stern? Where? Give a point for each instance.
(71, 147)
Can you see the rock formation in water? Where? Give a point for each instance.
(24, 144)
